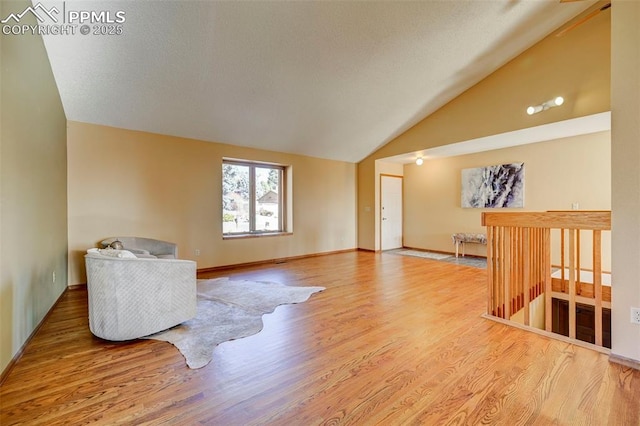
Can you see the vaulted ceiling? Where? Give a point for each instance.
(332, 80)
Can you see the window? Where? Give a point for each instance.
(252, 198)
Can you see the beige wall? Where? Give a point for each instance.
(33, 224)
(124, 183)
(575, 66)
(557, 174)
(625, 197)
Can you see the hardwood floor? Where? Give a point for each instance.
(393, 340)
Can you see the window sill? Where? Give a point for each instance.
(256, 235)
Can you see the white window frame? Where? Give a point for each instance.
(283, 199)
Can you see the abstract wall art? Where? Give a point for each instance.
(500, 186)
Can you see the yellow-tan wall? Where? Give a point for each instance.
(625, 171)
(129, 183)
(33, 214)
(575, 66)
(558, 173)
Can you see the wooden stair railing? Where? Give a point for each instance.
(519, 265)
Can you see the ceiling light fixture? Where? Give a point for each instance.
(419, 161)
(557, 101)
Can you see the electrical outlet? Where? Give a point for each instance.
(635, 315)
(197, 251)
(53, 277)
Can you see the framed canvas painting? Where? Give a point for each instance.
(500, 186)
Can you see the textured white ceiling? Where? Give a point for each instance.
(326, 79)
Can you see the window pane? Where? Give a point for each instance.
(267, 199)
(235, 198)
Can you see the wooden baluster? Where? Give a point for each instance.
(515, 287)
(521, 279)
(597, 283)
(507, 273)
(562, 264)
(539, 262)
(520, 263)
(537, 275)
(533, 255)
(494, 265)
(517, 269)
(534, 264)
(578, 270)
(572, 284)
(490, 271)
(499, 272)
(517, 273)
(503, 268)
(526, 270)
(515, 282)
(524, 282)
(546, 261)
(512, 289)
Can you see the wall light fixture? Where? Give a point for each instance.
(557, 101)
(419, 161)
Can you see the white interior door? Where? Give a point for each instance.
(391, 212)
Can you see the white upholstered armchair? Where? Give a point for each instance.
(133, 297)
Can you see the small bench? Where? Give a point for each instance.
(463, 237)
